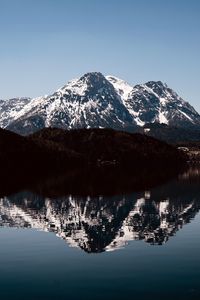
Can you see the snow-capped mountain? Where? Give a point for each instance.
(90, 101)
(94, 100)
(9, 108)
(155, 102)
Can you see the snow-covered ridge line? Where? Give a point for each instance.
(122, 87)
(94, 100)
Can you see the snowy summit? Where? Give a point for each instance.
(93, 101)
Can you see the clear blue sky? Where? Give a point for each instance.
(45, 43)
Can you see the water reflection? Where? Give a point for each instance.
(105, 223)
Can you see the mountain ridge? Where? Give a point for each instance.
(98, 101)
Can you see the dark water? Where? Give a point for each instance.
(132, 245)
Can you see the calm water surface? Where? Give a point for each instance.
(140, 245)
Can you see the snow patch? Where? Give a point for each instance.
(121, 86)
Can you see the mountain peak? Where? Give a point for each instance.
(156, 83)
(95, 100)
(92, 77)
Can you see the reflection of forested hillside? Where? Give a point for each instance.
(101, 223)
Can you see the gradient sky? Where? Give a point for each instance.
(45, 43)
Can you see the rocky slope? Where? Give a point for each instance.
(9, 109)
(94, 100)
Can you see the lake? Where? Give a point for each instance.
(140, 244)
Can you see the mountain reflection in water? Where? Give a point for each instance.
(105, 223)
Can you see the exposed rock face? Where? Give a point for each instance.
(96, 101)
(9, 108)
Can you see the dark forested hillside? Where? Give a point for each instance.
(109, 147)
(18, 154)
(171, 134)
(52, 149)
(102, 156)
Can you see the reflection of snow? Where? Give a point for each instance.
(99, 223)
